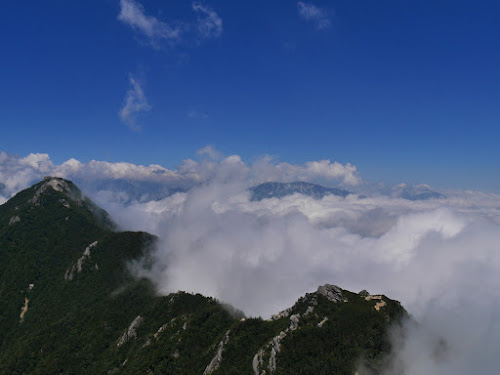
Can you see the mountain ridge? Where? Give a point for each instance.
(69, 305)
(282, 189)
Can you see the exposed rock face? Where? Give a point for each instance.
(258, 361)
(217, 359)
(294, 322)
(162, 328)
(320, 324)
(370, 298)
(14, 219)
(282, 314)
(274, 346)
(78, 266)
(57, 184)
(130, 333)
(381, 303)
(332, 292)
(64, 203)
(275, 349)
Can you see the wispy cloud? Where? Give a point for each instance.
(209, 23)
(311, 12)
(132, 13)
(135, 102)
(194, 114)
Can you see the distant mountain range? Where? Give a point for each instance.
(283, 189)
(130, 190)
(415, 192)
(127, 191)
(68, 305)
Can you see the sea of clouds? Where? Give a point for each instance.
(439, 257)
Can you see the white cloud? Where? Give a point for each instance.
(17, 173)
(311, 12)
(210, 152)
(132, 14)
(209, 23)
(135, 102)
(327, 169)
(101, 169)
(314, 170)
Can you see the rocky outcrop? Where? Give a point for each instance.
(332, 292)
(379, 305)
(258, 362)
(130, 333)
(380, 302)
(320, 324)
(162, 328)
(78, 266)
(274, 346)
(57, 184)
(275, 349)
(217, 359)
(282, 314)
(370, 297)
(14, 219)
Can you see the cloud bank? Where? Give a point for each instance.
(439, 257)
(155, 181)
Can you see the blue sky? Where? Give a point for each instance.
(406, 91)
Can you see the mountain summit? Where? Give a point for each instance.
(415, 192)
(51, 194)
(283, 189)
(69, 305)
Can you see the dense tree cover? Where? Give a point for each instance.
(77, 324)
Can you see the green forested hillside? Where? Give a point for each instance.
(68, 305)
